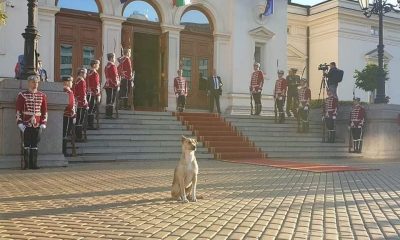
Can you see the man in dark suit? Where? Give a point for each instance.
(214, 90)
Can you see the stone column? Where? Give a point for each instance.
(112, 27)
(47, 27)
(173, 61)
(50, 146)
(222, 63)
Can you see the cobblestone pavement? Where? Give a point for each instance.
(132, 201)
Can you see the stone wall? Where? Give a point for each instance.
(382, 132)
(50, 147)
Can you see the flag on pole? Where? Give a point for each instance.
(180, 3)
(123, 1)
(269, 8)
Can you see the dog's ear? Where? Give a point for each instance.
(183, 138)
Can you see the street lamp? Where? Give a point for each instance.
(379, 7)
(31, 40)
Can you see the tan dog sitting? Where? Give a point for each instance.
(185, 175)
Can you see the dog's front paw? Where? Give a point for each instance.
(194, 199)
(184, 201)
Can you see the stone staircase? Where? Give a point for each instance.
(223, 140)
(136, 136)
(282, 141)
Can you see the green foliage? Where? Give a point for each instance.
(3, 16)
(367, 79)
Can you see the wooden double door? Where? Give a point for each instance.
(78, 41)
(150, 63)
(196, 56)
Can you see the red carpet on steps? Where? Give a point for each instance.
(228, 144)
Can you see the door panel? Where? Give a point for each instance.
(197, 62)
(78, 41)
(164, 42)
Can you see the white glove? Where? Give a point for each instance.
(43, 126)
(74, 120)
(21, 127)
(334, 117)
(177, 95)
(306, 108)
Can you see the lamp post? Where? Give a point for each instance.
(31, 39)
(379, 7)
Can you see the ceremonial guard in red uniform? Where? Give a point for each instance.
(256, 85)
(357, 120)
(126, 75)
(79, 89)
(303, 109)
(280, 95)
(111, 85)
(93, 91)
(69, 113)
(330, 110)
(181, 91)
(31, 119)
(293, 81)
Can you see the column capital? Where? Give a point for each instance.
(48, 11)
(112, 19)
(171, 28)
(222, 36)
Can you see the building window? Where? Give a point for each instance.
(374, 31)
(259, 53)
(82, 5)
(141, 10)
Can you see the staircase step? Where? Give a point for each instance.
(195, 114)
(210, 128)
(140, 127)
(140, 137)
(132, 150)
(216, 133)
(240, 155)
(223, 138)
(128, 143)
(227, 144)
(205, 123)
(234, 149)
(136, 132)
(132, 157)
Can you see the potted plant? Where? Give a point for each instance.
(367, 79)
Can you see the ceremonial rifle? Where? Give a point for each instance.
(115, 104)
(251, 103)
(98, 101)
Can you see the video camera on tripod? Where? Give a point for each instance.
(323, 67)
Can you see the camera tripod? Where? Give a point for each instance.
(323, 88)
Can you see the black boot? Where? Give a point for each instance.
(90, 122)
(64, 146)
(78, 133)
(333, 136)
(25, 159)
(33, 155)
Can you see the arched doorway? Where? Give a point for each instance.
(78, 36)
(142, 33)
(196, 55)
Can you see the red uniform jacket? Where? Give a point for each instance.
(357, 116)
(79, 90)
(280, 88)
(180, 86)
(70, 109)
(125, 68)
(111, 73)
(304, 94)
(31, 109)
(93, 83)
(331, 107)
(257, 81)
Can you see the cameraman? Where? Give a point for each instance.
(334, 76)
